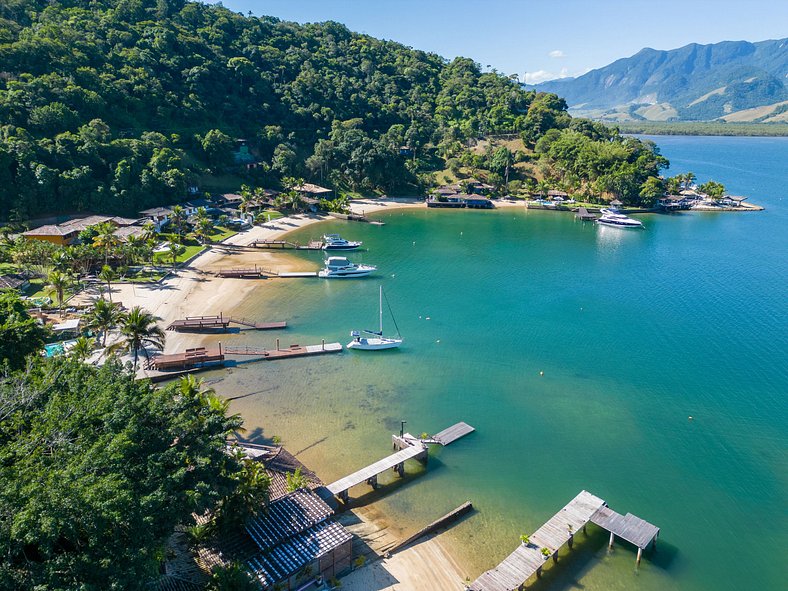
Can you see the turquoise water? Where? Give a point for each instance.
(634, 331)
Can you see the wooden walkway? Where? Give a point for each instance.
(544, 543)
(370, 473)
(199, 356)
(286, 244)
(220, 322)
(246, 273)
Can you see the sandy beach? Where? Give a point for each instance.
(195, 290)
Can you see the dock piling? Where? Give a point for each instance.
(612, 539)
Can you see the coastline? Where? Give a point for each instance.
(195, 290)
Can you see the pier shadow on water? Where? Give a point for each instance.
(591, 552)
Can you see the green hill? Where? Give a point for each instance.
(115, 106)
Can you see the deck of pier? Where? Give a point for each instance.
(628, 527)
(528, 559)
(584, 215)
(220, 322)
(453, 433)
(370, 472)
(198, 356)
(286, 244)
(247, 273)
(298, 274)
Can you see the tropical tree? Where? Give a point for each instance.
(178, 220)
(203, 226)
(175, 250)
(713, 189)
(82, 348)
(108, 275)
(97, 470)
(58, 282)
(652, 189)
(106, 239)
(103, 317)
(21, 334)
(139, 330)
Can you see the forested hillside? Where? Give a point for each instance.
(114, 106)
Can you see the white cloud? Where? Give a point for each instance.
(544, 76)
(557, 53)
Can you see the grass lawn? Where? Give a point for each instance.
(271, 214)
(189, 252)
(222, 233)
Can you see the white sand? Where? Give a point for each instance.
(422, 567)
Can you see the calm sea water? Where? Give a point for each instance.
(635, 331)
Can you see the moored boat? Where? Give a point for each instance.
(341, 267)
(376, 341)
(611, 217)
(336, 242)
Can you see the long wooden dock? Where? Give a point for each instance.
(529, 559)
(220, 322)
(244, 273)
(200, 356)
(369, 474)
(286, 244)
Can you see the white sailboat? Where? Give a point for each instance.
(376, 341)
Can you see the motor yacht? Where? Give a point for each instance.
(342, 267)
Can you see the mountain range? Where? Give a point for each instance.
(734, 81)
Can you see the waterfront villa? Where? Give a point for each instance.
(66, 233)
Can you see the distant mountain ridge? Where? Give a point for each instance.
(730, 80)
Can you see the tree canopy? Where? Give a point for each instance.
(96, 469)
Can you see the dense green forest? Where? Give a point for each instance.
(114, 106)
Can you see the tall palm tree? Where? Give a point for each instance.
(139, 331)
(178, 219)
(58, 282)
(203, 225)
(108, 275)
(106, 239)
(104, 317)
(175, 251)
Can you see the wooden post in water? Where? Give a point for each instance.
(571, 540)
(612, 539)
(323, 344)
(640, 554)
(277, 344)
(555, 557)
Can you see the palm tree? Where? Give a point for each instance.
(58, 282)
(139, 331)
(203, 226)
(178, 219)
(82, 348)
(106, 239)
(108, 275)
(149, 232)
(175, 251)
(104, 317)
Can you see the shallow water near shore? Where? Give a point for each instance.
(635, 332)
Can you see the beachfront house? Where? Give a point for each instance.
(557, 196)
(731, 201)
(158, 216)
(66, 233)
(673, 202)
(316, 192)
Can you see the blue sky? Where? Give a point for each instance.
(546, 39)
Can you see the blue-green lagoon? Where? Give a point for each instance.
(634, 331)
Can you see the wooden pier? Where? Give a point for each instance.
(244, 273)
(407, 447)
(584, 215)
(200, 356)
(529, 559)
(220, 323)
(286, 244)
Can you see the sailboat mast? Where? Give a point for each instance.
(380, 307)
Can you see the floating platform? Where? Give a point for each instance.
(220, 323)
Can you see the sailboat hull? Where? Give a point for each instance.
(374, 344)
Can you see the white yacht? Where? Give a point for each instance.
(342, 267)
(612, 217)
(336, 242)
(376, 341)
